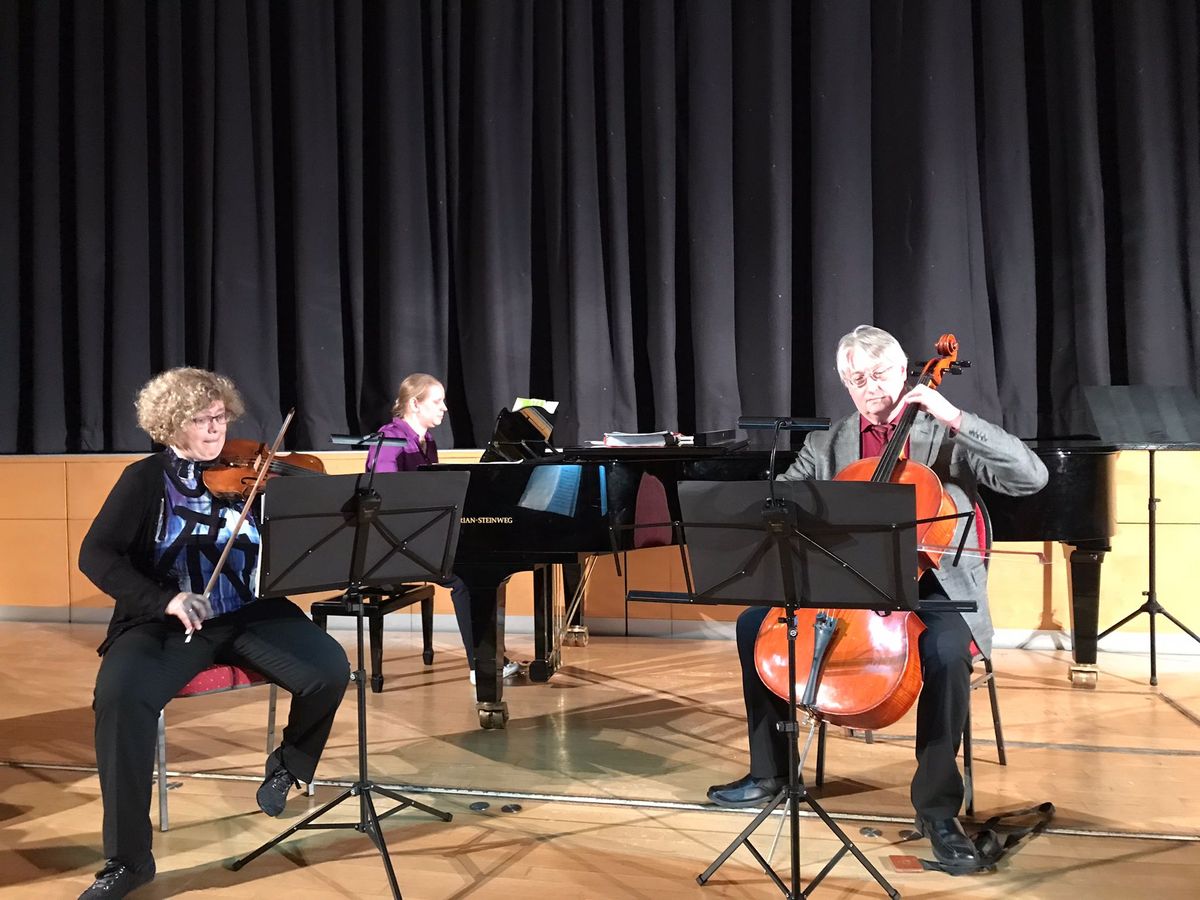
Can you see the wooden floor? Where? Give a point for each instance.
(596, 788)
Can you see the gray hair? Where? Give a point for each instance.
(871, 341)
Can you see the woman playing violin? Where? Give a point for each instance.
(152, 548)
(964, 451)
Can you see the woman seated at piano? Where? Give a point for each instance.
(153, 548)
(419, 407)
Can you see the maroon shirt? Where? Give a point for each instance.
(873, 438)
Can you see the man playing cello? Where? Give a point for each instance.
(964, 451)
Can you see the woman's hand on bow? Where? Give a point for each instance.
(190, 609)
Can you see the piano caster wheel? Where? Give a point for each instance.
(1084, 676)
(576, 636)
(493, 715)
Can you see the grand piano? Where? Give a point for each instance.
(1076, 507)
(532, 514)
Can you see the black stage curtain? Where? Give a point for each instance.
(662, 214)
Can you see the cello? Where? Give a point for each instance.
(870, 670)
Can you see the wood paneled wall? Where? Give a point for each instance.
(48, 502)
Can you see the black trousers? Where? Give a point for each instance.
(944, 646)
(147, 665)
(460, 596)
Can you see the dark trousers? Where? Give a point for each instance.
(148, 664)
(460, 596)
(944, 646)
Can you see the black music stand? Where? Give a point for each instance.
(337, 532)
(1150, 418)
(809, 541)
(521, 434)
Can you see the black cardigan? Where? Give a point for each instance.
(117, 553)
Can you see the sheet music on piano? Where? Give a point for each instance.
(522, 433)
(641, 439)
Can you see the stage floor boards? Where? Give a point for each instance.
(608, 765)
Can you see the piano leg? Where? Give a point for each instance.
(575, 577)
(487, 632)
(546, 621)
(1086, 560)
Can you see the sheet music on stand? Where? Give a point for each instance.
(521, 434)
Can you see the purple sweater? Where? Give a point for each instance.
(407, 458)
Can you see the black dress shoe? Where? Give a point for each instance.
(117, 879)
(273, 792)
(951, 846)
(746, 791)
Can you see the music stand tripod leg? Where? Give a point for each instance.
(1151, 606)
(744, 838)
(362, 517)
(781, 531)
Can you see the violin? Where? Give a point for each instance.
(234, 472)
(232, 483)
(869, 663)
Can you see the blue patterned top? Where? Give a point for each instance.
(193, 530)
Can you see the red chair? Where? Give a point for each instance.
(216, 679)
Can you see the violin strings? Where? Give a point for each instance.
(280, 467)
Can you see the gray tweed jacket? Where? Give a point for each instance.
(980, 453)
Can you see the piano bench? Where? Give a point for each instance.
(377, 603)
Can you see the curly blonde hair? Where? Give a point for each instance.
(413, 387)
(168, 400)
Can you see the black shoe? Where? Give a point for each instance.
(951, 846)
(273, 792)
(746, 791)
(117, 879)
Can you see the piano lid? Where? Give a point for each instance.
(1077, 503)
(1070, 443)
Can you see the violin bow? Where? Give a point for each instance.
(237, 528)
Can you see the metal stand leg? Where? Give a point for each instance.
(368, 818)
(1152, 607)
(795, 792)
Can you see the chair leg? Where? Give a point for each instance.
(427, 631)
(271, 706)
(991, 677)
(375, 624)
(161, 754)
(968, 768)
